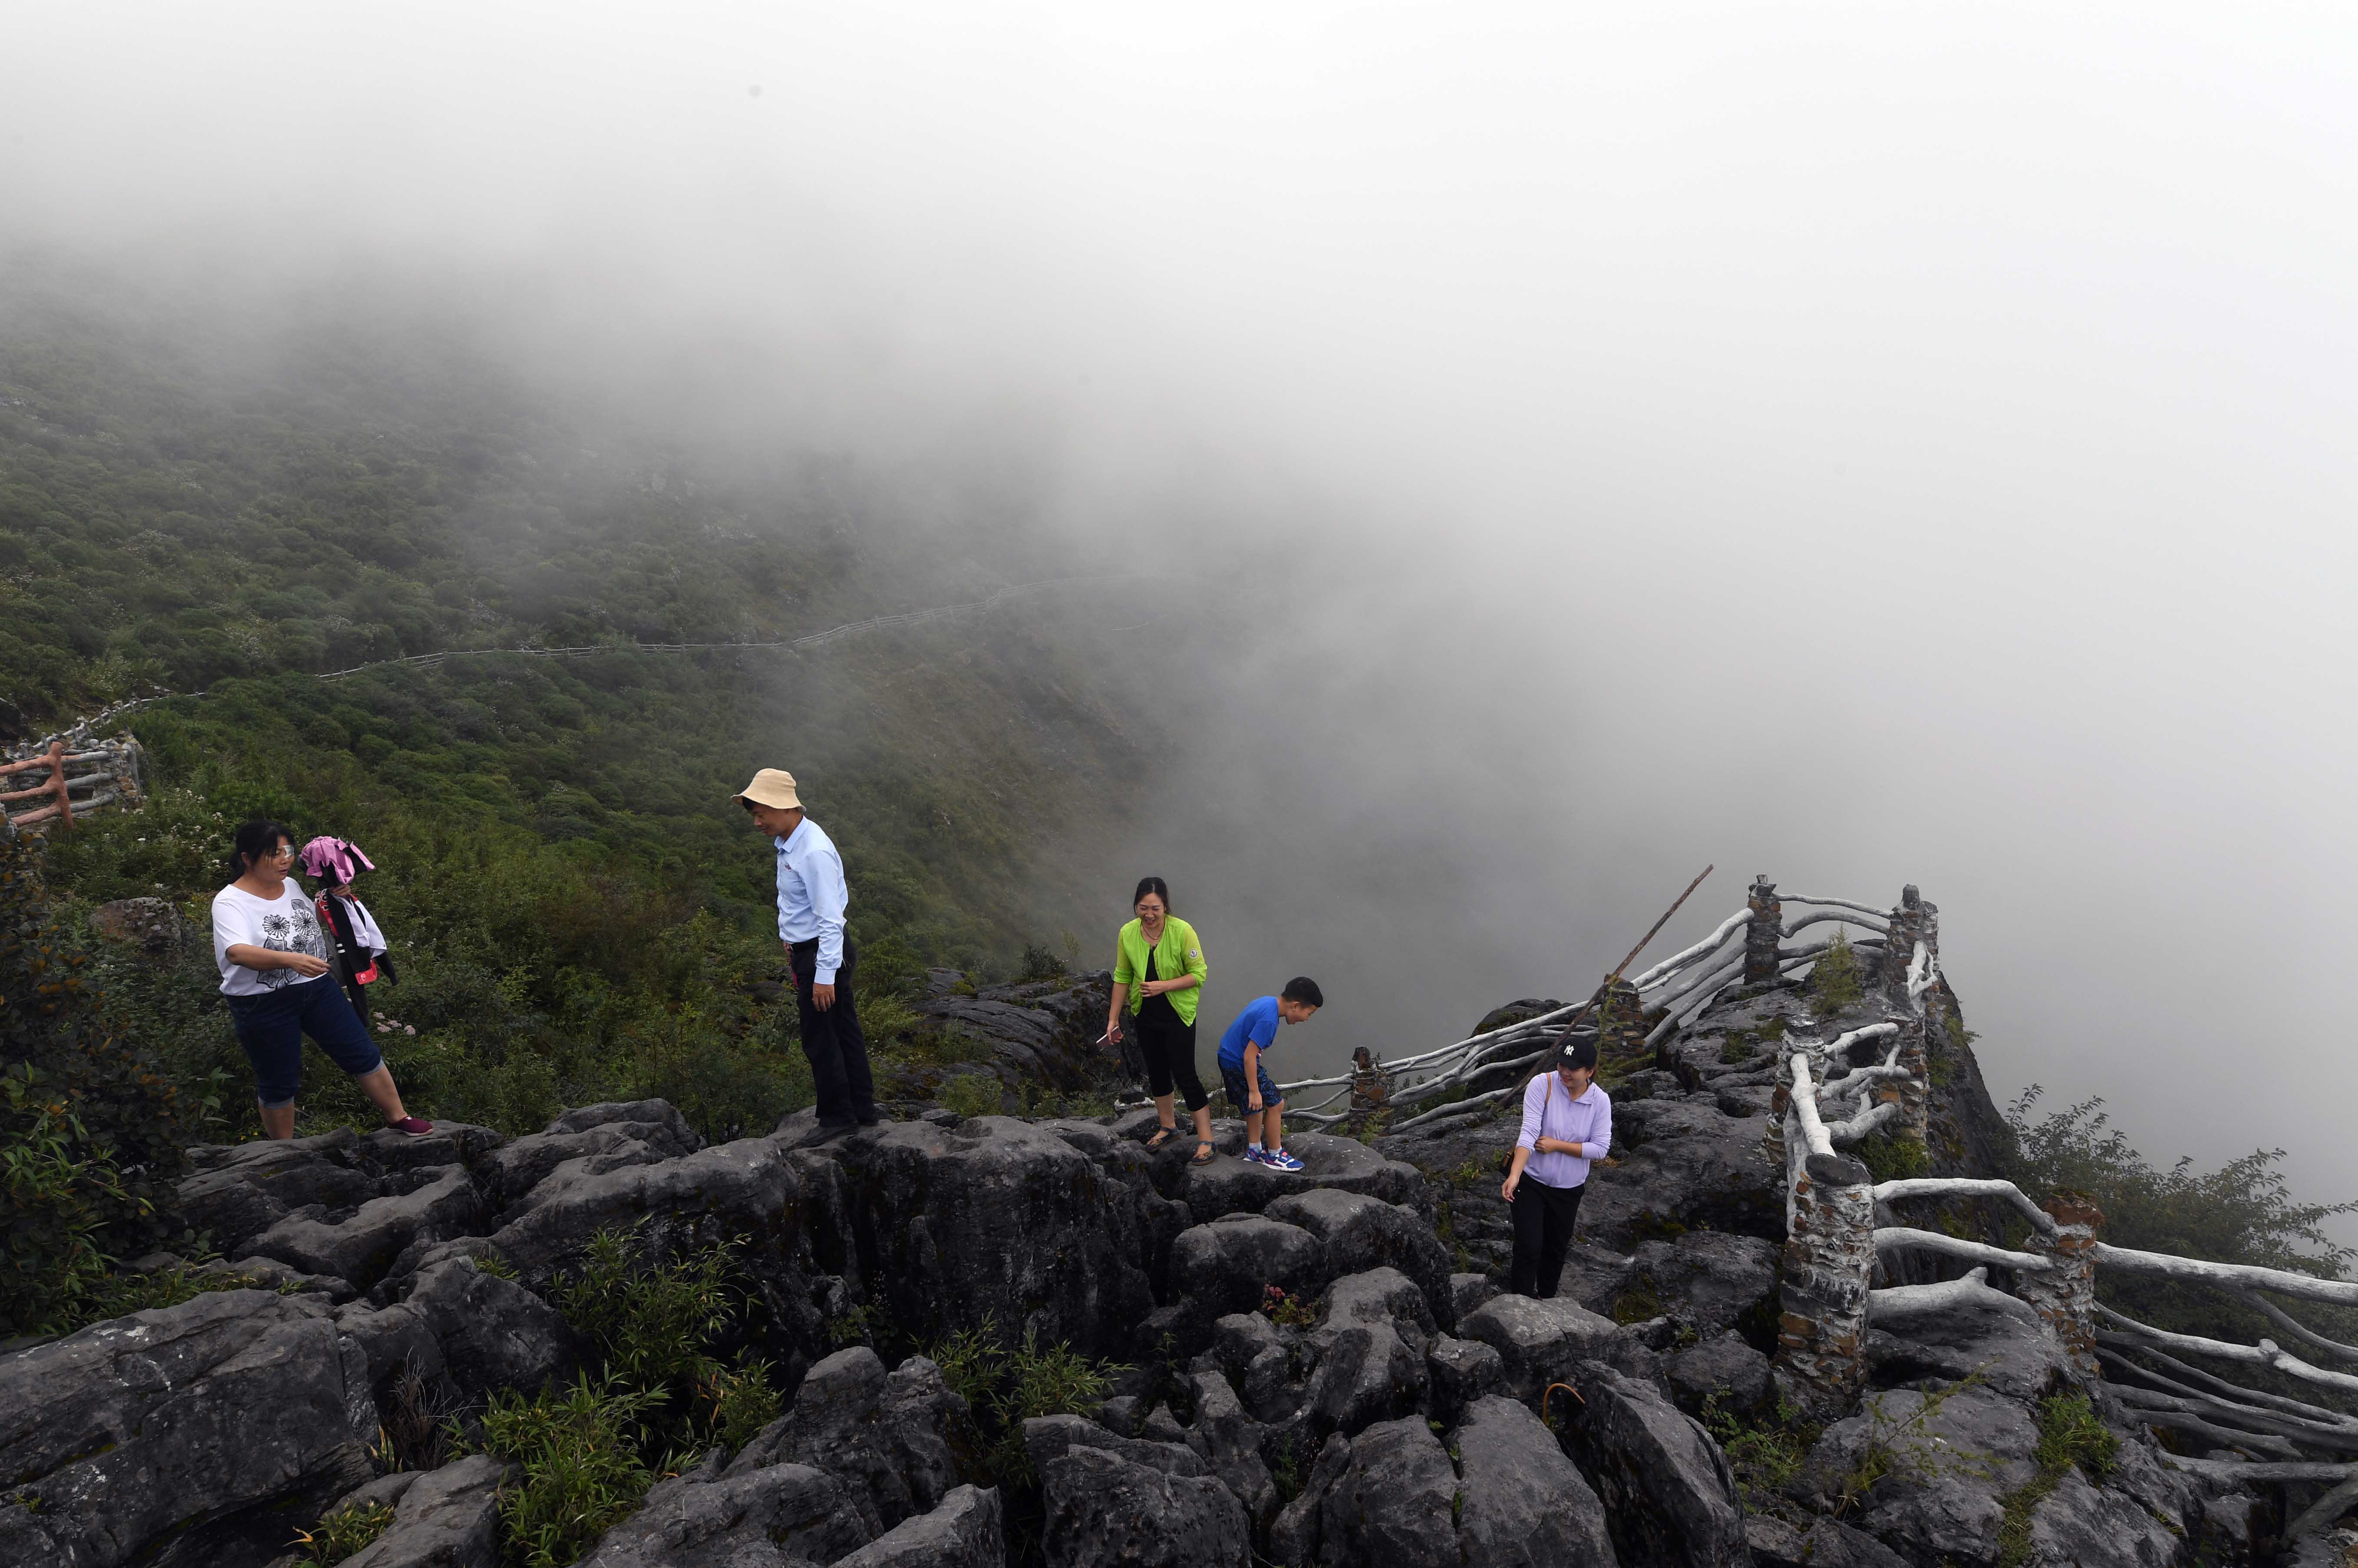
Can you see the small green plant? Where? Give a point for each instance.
(1908, 1446)
(971, 1361)
(850, 1326)
(1894, 1156)
(1767, 1455)
(344, 1532)
(495, 1265)
(1286, 1310)
(1836, 981)
(1286, 1474)
(580, 1449)
(59, 1194)
(1738, 1048)
(1005, 1388)
(2069, 1435)
(738, 1404)
(973, 1094)
(1640, 1303)
(652, 1323)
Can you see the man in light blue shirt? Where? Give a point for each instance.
(811, 901)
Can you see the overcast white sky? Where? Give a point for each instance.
(1864, 443)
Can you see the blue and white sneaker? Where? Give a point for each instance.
(1253, 1156)
(1279, 1160)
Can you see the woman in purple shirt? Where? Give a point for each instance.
(1567, 1123)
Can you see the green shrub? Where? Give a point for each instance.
(653, 1323)
(2242, 1213)
(1006, 1387)
(90, 1128)
(581, 1451)
(1894, 1156)
(1836, 981)
(2069, 1433)
(971, 1361)
(344, 1532)
(738, 1404)
(973, 1094)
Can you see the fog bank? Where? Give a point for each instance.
(1864, 446)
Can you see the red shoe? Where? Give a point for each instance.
(416, 1126)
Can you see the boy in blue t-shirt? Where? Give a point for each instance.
(1249, 1087)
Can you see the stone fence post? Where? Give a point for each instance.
(1829, 1260)
(1914, 1092)
(1765, 933)
(2065, 1295)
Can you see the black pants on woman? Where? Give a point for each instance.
(1169, 1046)
(1543, 1217)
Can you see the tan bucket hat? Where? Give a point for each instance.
(771, 786)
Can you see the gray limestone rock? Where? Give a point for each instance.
(1538, 1342)
(1667, 1488)
(1826, 1543)
(1226, 1267)
(1360, 1232)
(1233, 1439)
(1293, 1538)
(965, 1530)
(493, 1333)
(762, 1519)
(1396, 1505)
(1459, 1372)
(1523, 1504)
(447, 1519)
(1048, 1437)
(1708, 1279)
(181, 1436)
(1230, 1185)
(1369, 1343)
(1468, 1291)
(1103, 1508)
(742, 1189)
(884, 1436)
(994, 1219)
(656, 1122)
(362, 1246)
(1726, 1368)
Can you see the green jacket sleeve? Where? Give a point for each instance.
(1195, 964)
(1124, 974)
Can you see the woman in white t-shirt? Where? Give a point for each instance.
(273, 957)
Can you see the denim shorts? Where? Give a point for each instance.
(271, 1027)
(1240, 1095)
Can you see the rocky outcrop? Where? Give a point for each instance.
(184, 1435)
(1388, 1404)
(445, 1519)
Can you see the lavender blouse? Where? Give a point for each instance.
(1550, 1110)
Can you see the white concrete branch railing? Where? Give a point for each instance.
(1966, 1187)
(1805, 1107)
(2267, 1353)
(1907, 1239)
(1890, 1308)
(1701, 950)
(2229, 1276)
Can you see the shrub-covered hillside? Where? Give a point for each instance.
(578, 910)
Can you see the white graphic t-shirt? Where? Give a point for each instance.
(288, 925)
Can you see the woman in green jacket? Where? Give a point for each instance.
(1159, 954)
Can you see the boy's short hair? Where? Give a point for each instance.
(1303, 992)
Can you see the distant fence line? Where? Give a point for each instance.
(105, 775)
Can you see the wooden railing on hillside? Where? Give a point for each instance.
(69, 781)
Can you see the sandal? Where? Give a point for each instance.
(1162, 1135)
(1204, 1155)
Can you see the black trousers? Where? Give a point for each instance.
(1543, 1219)
(1169, 1046)
(831, 1040)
